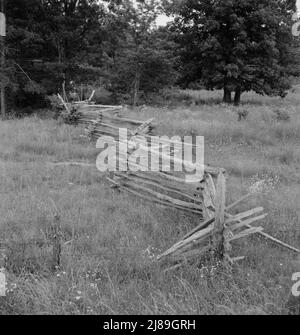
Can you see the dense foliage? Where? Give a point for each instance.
(235, 45)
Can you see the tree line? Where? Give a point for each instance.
(233, 45)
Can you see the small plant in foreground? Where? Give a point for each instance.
(263, 183)
(282, 115)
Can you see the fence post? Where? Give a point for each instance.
(220, 202)
(56, 242)
(209, 195)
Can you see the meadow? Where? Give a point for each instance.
(111, 239)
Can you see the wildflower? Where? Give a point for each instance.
(150, 253)
(263, 183)
(90, 310)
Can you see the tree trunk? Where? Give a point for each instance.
(136, 86)
(237, 96)
(227, 95)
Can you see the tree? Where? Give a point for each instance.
(139, 56)
(52, 42)
(236, 45)
(67, 26)
(15, 77)
(47, 42)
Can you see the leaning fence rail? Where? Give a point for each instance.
(217, 230)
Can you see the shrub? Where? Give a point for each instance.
(242, 114)
(282, 115)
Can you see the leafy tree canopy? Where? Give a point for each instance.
(236, 45)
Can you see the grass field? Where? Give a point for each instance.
(108, 262)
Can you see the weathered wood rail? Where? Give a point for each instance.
(217, 230)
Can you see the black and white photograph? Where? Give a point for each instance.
(149, 161)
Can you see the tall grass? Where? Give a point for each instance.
(111, 239)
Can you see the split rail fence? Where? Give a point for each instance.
(217, 230)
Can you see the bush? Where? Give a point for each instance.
(103, 96)
(282, 115)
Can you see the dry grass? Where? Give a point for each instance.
(108, 267)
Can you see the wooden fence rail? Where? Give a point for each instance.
(217, 229)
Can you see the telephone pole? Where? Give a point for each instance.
(2, 37)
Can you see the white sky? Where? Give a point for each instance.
(162, 20)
